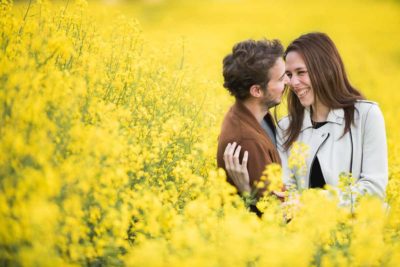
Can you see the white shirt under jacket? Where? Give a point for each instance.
(366, 144)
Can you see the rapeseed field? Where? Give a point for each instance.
(109, 118)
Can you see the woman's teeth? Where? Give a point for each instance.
(302, 92)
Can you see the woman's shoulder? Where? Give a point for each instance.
(283, 123)
(364, 105)
(368, 109)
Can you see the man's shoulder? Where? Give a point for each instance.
(236, 128)
(231, 124)
(233, 129)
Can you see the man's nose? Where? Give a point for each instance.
(286, 79)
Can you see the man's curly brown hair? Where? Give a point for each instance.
(248, 65)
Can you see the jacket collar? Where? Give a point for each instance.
(245, 114)
(334, 116)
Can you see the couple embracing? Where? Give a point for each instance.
(344, 132)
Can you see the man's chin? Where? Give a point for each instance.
(273, 104)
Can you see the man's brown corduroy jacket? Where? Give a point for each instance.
(241, 126)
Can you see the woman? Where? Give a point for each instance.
(344, 132)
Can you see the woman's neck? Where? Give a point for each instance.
(319, 112)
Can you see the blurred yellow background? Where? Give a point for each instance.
(109, 118)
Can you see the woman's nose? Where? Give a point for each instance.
(293, 81)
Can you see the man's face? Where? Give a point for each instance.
(276, 85)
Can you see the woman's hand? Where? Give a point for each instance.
(236, 171)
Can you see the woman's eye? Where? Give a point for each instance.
(302, 72)
(289, 75)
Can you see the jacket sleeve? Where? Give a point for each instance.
(374, 171)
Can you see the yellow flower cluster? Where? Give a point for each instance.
(107, 153)
(297, 162)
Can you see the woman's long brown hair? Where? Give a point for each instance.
(328, 80)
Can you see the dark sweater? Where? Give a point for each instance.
(316, 177)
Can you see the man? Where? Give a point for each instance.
(254, 73)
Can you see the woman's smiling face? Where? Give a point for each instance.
(300, 82)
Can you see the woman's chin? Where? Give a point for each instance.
(305, 104)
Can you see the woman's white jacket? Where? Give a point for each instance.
(361, 151)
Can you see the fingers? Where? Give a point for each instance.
(229, 161)
(227, 149)
(244, 170)
(236, 158)
(245, 159)
(236, 171)
(228, 154)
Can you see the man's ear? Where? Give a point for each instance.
(256, 91)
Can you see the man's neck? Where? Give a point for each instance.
(256, 109)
